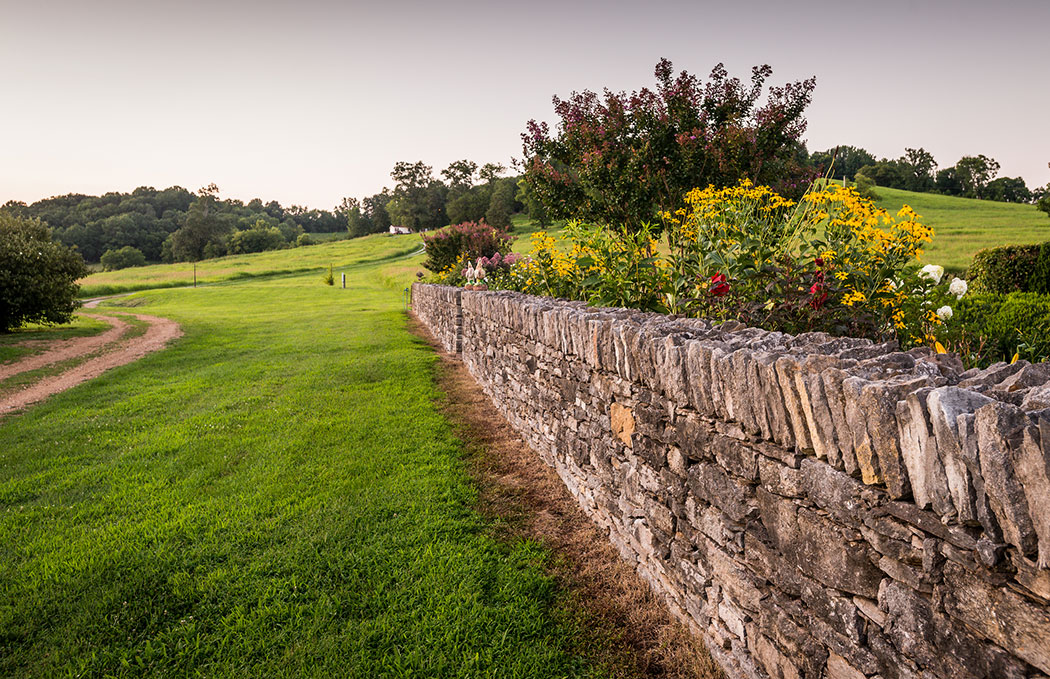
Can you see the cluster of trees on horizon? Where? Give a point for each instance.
(466, 192)
(916, 170)
(173, 224)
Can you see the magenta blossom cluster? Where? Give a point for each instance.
(498, 262)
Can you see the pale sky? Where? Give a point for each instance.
(309, 101)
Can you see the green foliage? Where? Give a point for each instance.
(1008, 190)
(974, 173)
(204, 233)
(531, 203)
(259, 238)
(1043, 204)
(127, 256)
(446, 247)
(842, 162)
(1039, 280)
(501, 204)
(1004, 269)
(621, 159)
(329, 278)
(146, 218)
(38, 277)
(304, 239)
(994, 327)
(865, 186)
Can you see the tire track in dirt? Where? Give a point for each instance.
(157, 335)
(64, 350)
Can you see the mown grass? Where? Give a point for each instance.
(274, 495)
(962, 226)
(32, 339)
(311, 258)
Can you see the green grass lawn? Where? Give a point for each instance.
(311, 258)
(962, 226)
(274, 495)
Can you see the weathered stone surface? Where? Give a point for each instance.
(999, 614)
(867, 461)
(813, 506)
(838, 668)
(621, 420)
(945, 405)
(928, 480)
(999, 428)
(1032, 462)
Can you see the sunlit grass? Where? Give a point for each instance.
(962, 226)
(274, 495)
(311, 258)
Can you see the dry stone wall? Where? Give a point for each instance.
(813, 506)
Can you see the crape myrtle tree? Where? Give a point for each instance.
(38, 277)
(620, 158)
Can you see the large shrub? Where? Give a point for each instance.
(995, 327)
(469, 241)
(1009, 268)
(38, 277)
(259, 238)
(122, 258)
(619, 159)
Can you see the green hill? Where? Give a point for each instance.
(962, 226)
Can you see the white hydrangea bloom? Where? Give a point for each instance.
(934, 272)
(945, 313)
(958, 288)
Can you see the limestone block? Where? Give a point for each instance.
(863, 452)
(999, 428)
(998, 614)
(879, 401)
(712, 484)
(786, 369)
(622, 421)
(928, 480)
(838, 668)
(1032, 463)
(945, 405)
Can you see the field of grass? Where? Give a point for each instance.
(962, 226)
(274, 495)
(312, 258)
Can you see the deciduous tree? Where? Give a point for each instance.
(619, 158)
(38, 277)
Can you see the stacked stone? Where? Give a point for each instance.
(439, 308)
(814, 506)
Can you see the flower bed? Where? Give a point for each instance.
(831, 262)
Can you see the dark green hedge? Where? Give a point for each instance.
(1004, 269)
(997, 326)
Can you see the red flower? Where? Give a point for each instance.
(719, 286)
(820, 294)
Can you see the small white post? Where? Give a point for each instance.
(344, 281)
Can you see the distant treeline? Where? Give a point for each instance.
(916, 170)
(154, 222)
(174, 224)
(420, 201)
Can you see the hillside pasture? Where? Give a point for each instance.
(962, 226)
